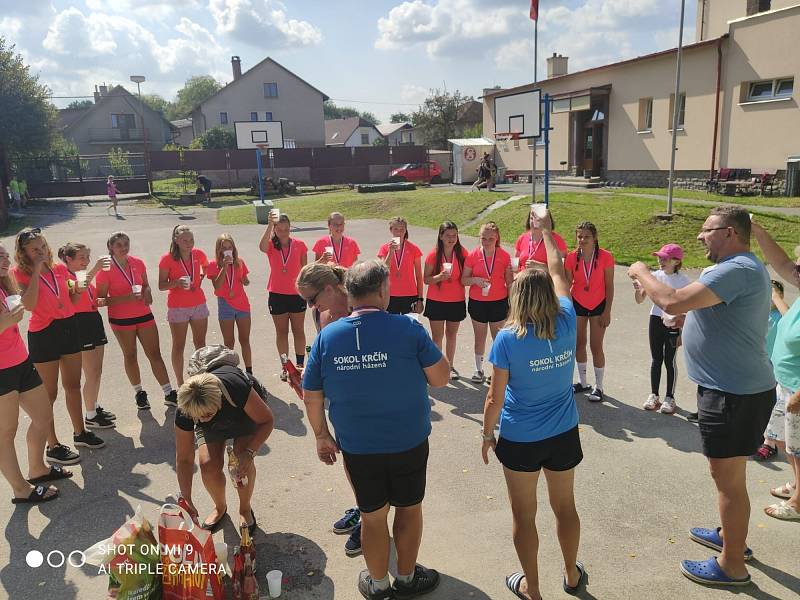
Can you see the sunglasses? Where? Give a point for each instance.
(313, 300)
(777, 285)
(28, 234)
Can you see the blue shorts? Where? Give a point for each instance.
(225, 312)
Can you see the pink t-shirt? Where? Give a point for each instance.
(111, 189)
(179, 297)
(86, 302)
(232, 288)
(481, 265)
(12, 349)
(596, 293)
(345, 252)
(289, 259)
(120, 281)
(402, 278)
(53, 301)
(526, 249)
(449, 290)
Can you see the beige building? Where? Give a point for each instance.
(738, 103)
(267, 92)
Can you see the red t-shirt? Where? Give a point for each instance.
(596, 293)
(232, 288)
(402, 279)
(86, 302)
(449, 290)
(528, 250)
(179, 297)
(120, 281)
(289, 259)
(498, 264)
(12, 349)
(345, 252)
(53, 301)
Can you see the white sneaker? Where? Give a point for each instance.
(668, 407)
(478, 377)
(652, 402)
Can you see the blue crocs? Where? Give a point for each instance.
(712, 539)
(708, 572)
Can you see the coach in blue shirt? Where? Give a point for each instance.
(374, 368)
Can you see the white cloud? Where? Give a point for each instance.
(10, 27)
(413, 93)
(262, 23)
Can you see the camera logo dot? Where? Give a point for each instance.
(34, 558)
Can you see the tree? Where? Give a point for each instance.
(436, 118)
(80, 104)
(119, 160)
(157, 103)
(331, 111)
(216, 138)
(194, 91)
(473, 131)
(400, 117)
(381, 141)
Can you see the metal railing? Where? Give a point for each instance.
(114, 134)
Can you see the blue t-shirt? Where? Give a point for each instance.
(772, 329)
(786, 354)
(726, 345)
(370, 368)
(539, 401)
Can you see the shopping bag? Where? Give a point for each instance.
(189, 562)
(131, 557)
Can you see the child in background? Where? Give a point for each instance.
(111, 190)
(663, 332)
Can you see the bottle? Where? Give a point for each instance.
(294, 377)
(236, 575)
(248, 549)
(237, 478)
(249, 583)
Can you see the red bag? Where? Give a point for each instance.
(191, 569)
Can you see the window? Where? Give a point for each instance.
(270, 90)
(268, 116)
(681, 110)
(784, 87)
(560, 105)
(645, 114)
(123, 121)
(223, 118)
(365, 139)
(254, 116)
(776, 89)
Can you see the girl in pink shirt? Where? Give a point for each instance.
(181, 272)
(21, 387)
(228, 273)
(286, 256)
(404, 260)
(336, 247)
(111, 190)
(530, 249)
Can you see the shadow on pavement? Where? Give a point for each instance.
(288, 416)
(466, 398)
(787, 580)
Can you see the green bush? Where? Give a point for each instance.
(216, 138)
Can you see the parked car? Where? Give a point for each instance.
(429, 172)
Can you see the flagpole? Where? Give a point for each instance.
(535, 79)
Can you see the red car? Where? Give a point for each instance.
(429, 172)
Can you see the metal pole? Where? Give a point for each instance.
(676, 112)
(547, 150)
(144, 136)
(535, 79)
(260, 176)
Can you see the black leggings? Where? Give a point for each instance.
(663, 346)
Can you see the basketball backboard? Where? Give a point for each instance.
(252, 134)
(519, 113)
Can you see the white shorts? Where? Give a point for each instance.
(784, 426)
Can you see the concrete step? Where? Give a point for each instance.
(581, 182)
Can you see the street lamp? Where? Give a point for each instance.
(138, 80)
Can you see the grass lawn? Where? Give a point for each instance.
(628, 227)
(700, 195)
(423, 207)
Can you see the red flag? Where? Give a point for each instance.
(534, 10)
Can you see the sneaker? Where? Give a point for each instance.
(87, 439)
(106, 413)
(668, 407)
(478, 377)
(693, 417)
(653, 403)
(62, 455)
(171, 399)
(453, 374)
(141, 400)
(351, 518)
(425, 580)
(99, 421)
(579, 388)
(284, 375)
(596, 395)
(365, 587)
(352, 547)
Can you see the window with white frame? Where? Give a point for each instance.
(770, 89)
(254, 116)
(271, 90)
(223, 118)
(645, 114)
(268, 116)
(365, 139)
(681, 110)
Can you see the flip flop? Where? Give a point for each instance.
(782, 511)
(37, 495)
(581, 579)
(708, 572)
(712, 539)
(215, 525)
(784, 491)
(513, 582)
(56, 472)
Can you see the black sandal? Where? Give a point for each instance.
(56, 472)
(212, 527)
(581, 579)
(251, 527)
(37, 495)
(513, 582)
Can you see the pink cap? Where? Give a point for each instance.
(670, 251)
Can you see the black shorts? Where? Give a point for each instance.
(730, 424)
(280, 304)
(582, 311)
(401, 305)
(379, 479)
(58, 339)
(561, 452)
(488, 311)
(445, 311)
(19, 378)
(91, 330)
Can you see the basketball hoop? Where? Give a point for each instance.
(263, 148)
(502, 138)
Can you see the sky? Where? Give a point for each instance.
(382, 56)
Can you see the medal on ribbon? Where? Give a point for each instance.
(587, 274)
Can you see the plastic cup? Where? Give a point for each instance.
(274, 582)
(13, 301)
(515, 263)
(447, 267)
(329, 249)
(107, 263)
(227, 253)
(186, 282)
(485, 291)
(396, 241)
(416, 316)
(539, 210)
(137, 290)
(276, 212)
(81, 277)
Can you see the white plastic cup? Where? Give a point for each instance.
(276, 213)
(227, 253)
(137, 290)
(485, 291)
(107, 262)
(447, 267)
(539, 210)
(13, 301)
(81, 277)
(274, 579)
(329, 250)
(416, 316)
(396, 241)
(515, 263)
(186, 282)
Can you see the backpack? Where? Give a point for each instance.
(210, 357)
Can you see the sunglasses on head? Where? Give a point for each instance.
(28, 234)
(777, 285)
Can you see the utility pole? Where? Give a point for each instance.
(675, 112)
(138, 80)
